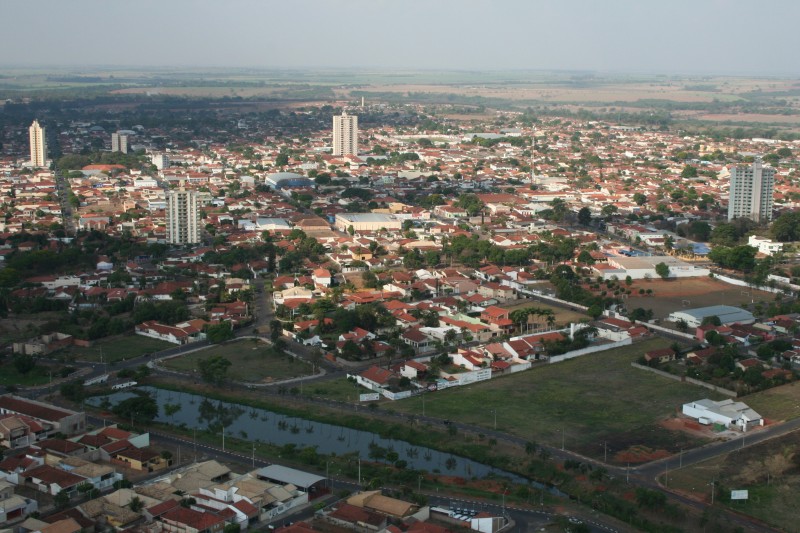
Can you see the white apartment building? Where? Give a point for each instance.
(183, 217)
(119, 143)
(38, 145)
(161, 161)
(751, 192)
(345, 134)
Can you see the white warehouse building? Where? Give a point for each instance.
(727, 314)
(643, 267)
(728, 413)
(367, 221)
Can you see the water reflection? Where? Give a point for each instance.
(197, 412)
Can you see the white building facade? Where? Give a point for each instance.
(751, 192)
(345, 134)
(38, 145)
(183, 217)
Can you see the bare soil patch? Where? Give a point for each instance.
(672, 295)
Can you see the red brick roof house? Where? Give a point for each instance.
(50, 480)
(375, 377)
(661, 355)
(182, 333)
(416, 339)
(752, 362)
(184, 520)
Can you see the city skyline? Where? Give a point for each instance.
(618, 36)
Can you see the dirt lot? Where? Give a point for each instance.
(672, 295)
(563, 316)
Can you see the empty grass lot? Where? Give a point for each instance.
(10, 376)
(118, 349)
(776, 404)
(251, 362)
(594, 399)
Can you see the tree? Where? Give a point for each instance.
(787, 227)
(276, 330)
(585, 257)
(639, 198)
(737, 258)
(584, 216)
(688, 172)
(136, 504)
(662, 269)
(61, 500)
(24, 363)
(712, 320)
(139, 409)
(282, 159)
(214, 369)
(218, 333)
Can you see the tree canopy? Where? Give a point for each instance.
(214, 369)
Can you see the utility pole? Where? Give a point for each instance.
(223, 438)
(562, 439)
(254, 456)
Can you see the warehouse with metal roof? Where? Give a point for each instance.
(727, 314)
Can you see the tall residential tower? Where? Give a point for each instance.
(38, 145)
(119, 143)
(183, 217)
(751, 192)
(345, 134)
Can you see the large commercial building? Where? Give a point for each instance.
(727, 315)
(345, 134)
(367, 222)
(183, 217)
(119, 143)
(38, 145)
(751, 192)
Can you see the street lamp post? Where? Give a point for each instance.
(494, 412)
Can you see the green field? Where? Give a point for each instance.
(340, 390)
(596, 400)
(117, 349)
(252, 362)
(40, 375)
(779, 403)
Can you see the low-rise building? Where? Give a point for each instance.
(728, 413)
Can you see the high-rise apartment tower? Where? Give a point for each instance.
(183, 217)
(119, 143)
(345, 134)
(38, 145)
(751, 192)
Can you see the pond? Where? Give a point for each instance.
(260, 425)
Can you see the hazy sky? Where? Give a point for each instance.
(663, 36)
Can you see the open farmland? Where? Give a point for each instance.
(586, 403)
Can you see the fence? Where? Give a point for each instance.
(742, 283)
(669, 331)
(542, 296)
(590, 349)
(710, 386)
